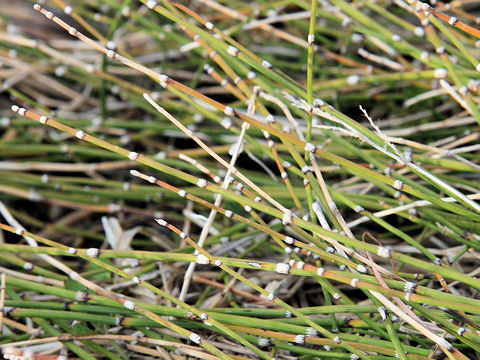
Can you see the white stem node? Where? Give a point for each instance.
(130, 305)
(282, 268)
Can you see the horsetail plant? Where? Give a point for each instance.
(274, 180)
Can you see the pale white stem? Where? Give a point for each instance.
(198, 220)
(456, 96)
(424, 96)
(265, 27)
(317, 209)
(340, 131)
(218, 200)
(444, 345)
(233, 170)
(33, 278)
(465, 149)
(453, 121)
(286, 111)
(380, 60)
(330, 202)
(14, 79)
(384, 47)
(31, 242)
(444, 185)
(211, 217)
(397, 157)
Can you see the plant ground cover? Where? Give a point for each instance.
(239, 180)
